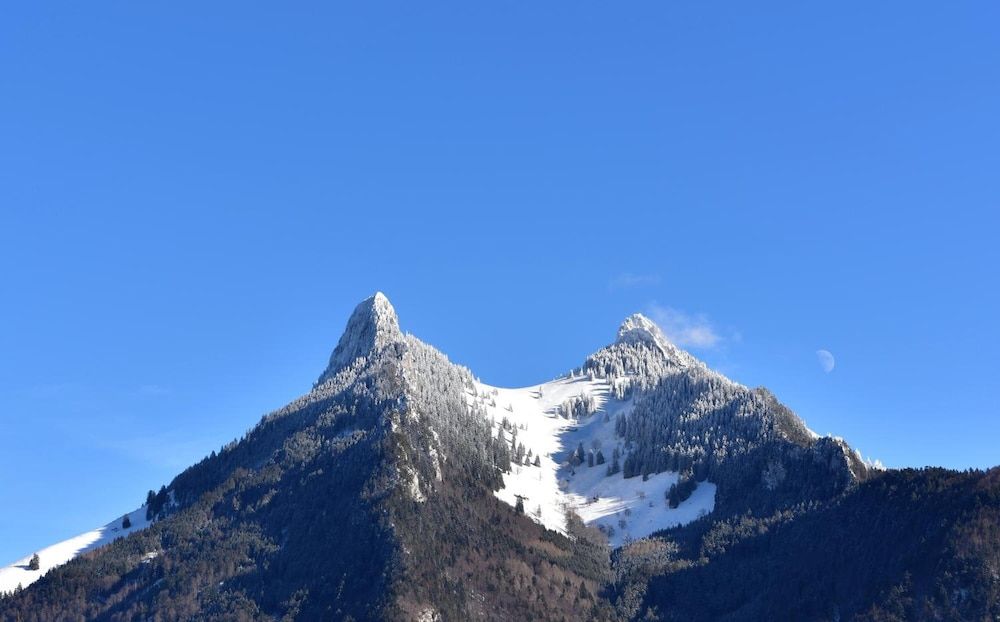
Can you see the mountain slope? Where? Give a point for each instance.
(402, 487)
(370, 497)
(905, 545)
(20, 574)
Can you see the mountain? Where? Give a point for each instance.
(640, 485)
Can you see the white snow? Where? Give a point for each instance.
(553, 487)
(372, 326)
(631, 508)
(639, 328)
(60, 553)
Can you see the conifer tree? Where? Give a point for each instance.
(615, 465)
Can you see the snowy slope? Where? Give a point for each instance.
(623, 508)
(58, 554)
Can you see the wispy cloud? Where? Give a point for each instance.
(152, 389)
(684, 329)
(628, 280)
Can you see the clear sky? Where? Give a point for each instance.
(193, 198)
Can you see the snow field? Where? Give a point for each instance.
(60, 553)
(622, 508)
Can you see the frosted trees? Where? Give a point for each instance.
(35, 562)
(696, 420)
(578, 407)
(615, 464)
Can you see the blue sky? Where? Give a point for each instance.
(192, 200)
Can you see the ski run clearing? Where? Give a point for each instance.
(19, 573)
(623, 508)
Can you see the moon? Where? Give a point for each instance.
(826, 360)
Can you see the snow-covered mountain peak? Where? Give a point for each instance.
(638, 327)
(372, 326)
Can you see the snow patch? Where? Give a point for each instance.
(622, 508)
(428, 614)
(414, 486)
(58, 554)
(628, 509)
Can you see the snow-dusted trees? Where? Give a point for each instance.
(621, 425)
(695, 420)
(615, 464)
(35, 562)
(436, 389)
(685, 417)
(642, 362)
(578, 406)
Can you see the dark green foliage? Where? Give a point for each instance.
(338, 507)
(906, 545)
(681, 491)
(615, 465)
(371, 498)
(302, 529)
(155, 503)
